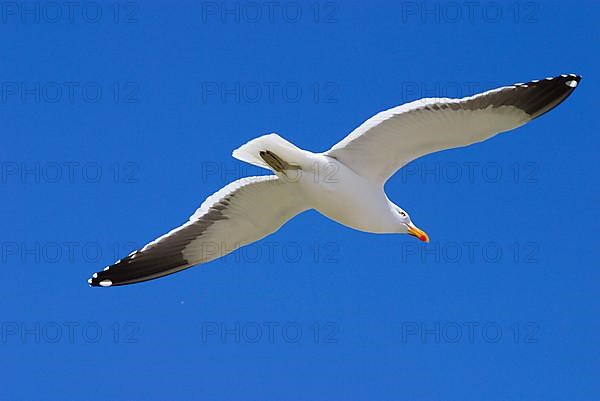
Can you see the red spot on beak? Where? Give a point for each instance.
(417, 232)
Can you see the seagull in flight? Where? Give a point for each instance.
(345, 183)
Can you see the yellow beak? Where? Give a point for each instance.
(417, 232)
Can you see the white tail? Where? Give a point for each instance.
(249, 152)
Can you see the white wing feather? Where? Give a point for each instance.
(389, 140)
(240, 213)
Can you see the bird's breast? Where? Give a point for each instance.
(343, 196)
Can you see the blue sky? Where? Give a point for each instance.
(118, 119)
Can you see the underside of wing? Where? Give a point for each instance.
(389, 140)
(240, 213)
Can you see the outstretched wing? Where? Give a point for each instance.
(242, 212)
(389, 140)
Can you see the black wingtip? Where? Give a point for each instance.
(571, 80)
(137, 267)
(100, 280)
(112, 275)
(119, 273)
(575, 76)
(540, 96)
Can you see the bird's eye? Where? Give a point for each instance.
(403, 214)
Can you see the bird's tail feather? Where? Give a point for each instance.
(272, 144)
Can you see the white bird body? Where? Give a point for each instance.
(345, 183)
(337, 192)
(328, 186)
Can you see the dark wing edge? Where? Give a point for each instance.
(534, 98)
(159, 258)
(165, 255)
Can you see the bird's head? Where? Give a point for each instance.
(408, 227)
